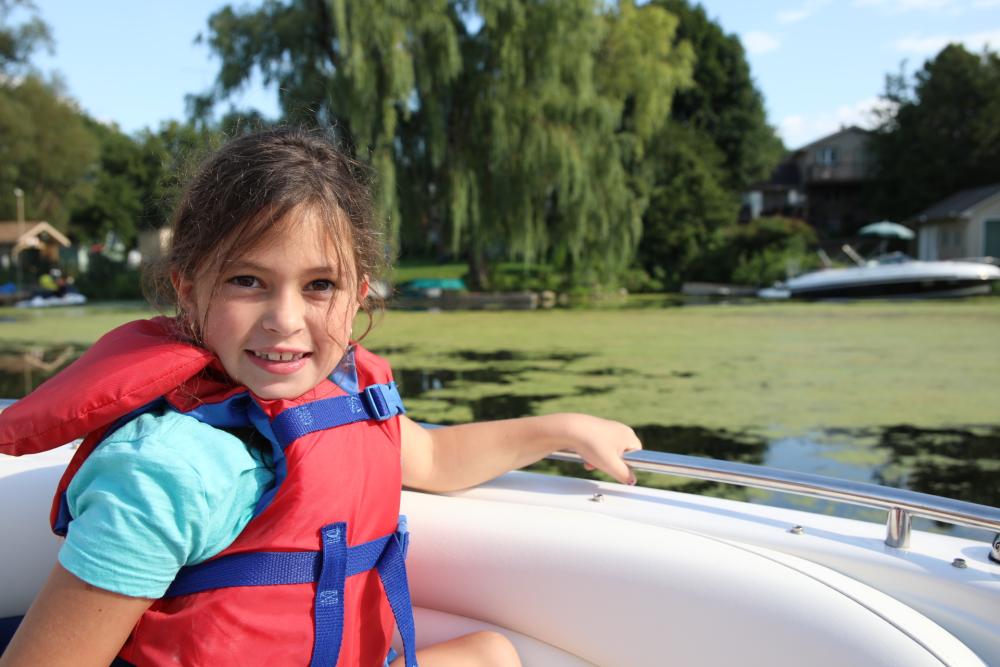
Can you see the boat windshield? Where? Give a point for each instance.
(893, 258)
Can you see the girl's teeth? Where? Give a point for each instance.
(278, 356)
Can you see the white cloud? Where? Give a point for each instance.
(800, 130)
(760, 42)
(951, 6)
(898, 6)
(930, 45)
(803, 11)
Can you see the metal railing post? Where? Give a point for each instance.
(897, 528)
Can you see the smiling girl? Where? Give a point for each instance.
(235, 500)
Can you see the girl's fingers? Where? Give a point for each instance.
(604, 448)
(617, 468)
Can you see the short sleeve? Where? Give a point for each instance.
(164, 491)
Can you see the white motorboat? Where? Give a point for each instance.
(578, 572)
(53, 300)
(890, 276)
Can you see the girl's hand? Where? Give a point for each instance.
(602, 443)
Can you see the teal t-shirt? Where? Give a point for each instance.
(162, 492)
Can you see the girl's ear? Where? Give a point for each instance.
(184, 289)
(363, 289)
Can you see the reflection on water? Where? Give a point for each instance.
(962, 463)
(23, 369)
(959, 463)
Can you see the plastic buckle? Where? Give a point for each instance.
(378, 407)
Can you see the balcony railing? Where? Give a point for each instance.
(856, 170)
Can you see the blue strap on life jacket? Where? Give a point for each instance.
(377, 401)
(392, 571)
(329, 569)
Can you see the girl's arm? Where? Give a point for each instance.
(457, 457)
(73, 624)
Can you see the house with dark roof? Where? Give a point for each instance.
(966, 224)
(821, 182)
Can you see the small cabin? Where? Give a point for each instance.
(964, 225)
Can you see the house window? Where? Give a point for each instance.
(827, 156)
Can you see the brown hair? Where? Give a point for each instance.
(239, 195)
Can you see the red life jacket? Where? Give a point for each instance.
(317, 575)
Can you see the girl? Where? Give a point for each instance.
(241, 505)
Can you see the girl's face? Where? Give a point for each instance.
(281, 317)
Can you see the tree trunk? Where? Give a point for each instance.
(479, 275)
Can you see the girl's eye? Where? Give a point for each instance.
(244, 281)
(320, 286)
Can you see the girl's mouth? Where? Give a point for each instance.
(279, 356)
(279, 363)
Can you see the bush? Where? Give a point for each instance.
(758, 253)
(636, 281)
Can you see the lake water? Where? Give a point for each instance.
(494, 382)
(959, 462)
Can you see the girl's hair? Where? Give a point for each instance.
(238, 195)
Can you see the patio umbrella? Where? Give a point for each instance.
(887, 230)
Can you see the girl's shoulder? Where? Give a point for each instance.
(172, 456)
(163, 485)
(168, 435)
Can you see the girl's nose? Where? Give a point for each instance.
(285, 314)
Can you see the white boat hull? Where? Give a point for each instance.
(644, 577)
(910, 279)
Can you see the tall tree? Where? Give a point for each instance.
(136, 179)
(518, 122)
(168, 157)
(18, 42)
(115, 203)
(716, 144)
(940, 132)
(565, 100)
(724, 101)
(356, 67)
(46, 149)
(688, 204)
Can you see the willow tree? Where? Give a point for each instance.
(563, 99)
(358, 68)
(520, 123)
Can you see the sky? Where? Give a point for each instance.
(820, 64)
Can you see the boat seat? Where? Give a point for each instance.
(572, 587)
(614, 592)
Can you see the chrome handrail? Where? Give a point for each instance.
(902, 504)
